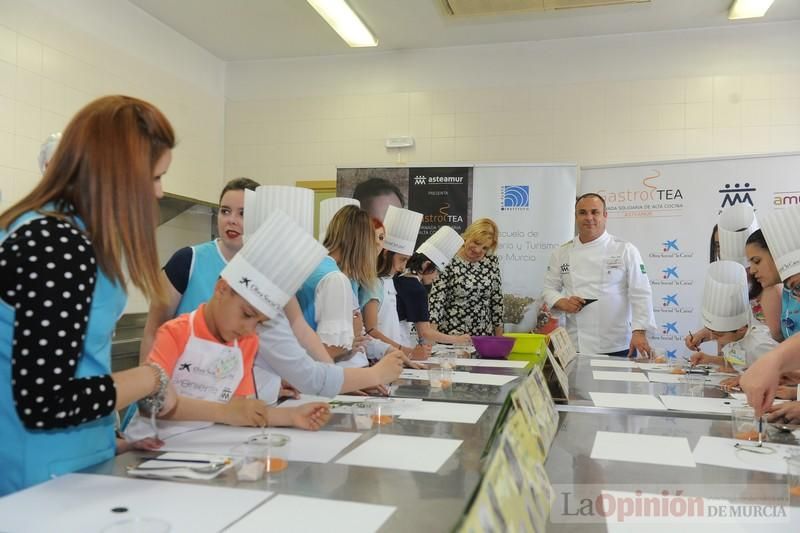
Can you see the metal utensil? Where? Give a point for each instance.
(200, 469)
(754, 448)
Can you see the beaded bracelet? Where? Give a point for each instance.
(155, 402)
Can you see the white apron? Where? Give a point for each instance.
(208, 370)
(354, 359)
(388, 322)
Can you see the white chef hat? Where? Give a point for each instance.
(297, 202)
(726, 305)
(273, 263)
(250, 220)
(441, 246)
(402, 228)
(782, 232)
(328, 208)
(48, 149)
(736, 224)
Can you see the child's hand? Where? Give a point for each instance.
(729, 384)
(311, 416)
(421, 352)
(698, 358)
(245, 412)
(388, 369)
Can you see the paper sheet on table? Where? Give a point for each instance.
(605, 375)
(613, 363)
(639, 448)
(627, 401)
(140, 428)
(309, 446)
(721, 452)
(290, 514)
(495, 363)
(83, 502)
(663, 367)
(462, 377)
(662, 377)
(700, 405)
(579, 354)
(402, 452)
(457, 413)
(342, 404)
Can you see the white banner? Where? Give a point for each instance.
(533, 207)
(668, 210)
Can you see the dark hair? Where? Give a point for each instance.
(591, 195)
(713, 245)
(372, 187)
(417, 261)
(238, 184)
(385, 260)
(757, 238)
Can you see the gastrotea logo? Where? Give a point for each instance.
(515, 197)
(733, 194)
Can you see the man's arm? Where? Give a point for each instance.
(640, 298)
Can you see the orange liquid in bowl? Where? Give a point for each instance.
(275, 464)
(381, 420)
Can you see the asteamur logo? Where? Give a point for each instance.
(737, 194)
(438, 180)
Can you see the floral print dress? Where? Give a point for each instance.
(468, 297)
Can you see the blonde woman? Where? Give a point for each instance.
(63, 286)
(329, 297)
(468, 298)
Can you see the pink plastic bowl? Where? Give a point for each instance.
(493, 347)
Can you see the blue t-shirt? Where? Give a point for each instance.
(790, 314)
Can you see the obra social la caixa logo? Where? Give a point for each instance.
(515, 197)
(671, 276)
(671, 303)
(670, 248)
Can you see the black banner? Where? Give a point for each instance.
(442, 195)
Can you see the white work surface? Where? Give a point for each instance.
(82, 503)
(402, 452)
(309, 446)
(300, 514)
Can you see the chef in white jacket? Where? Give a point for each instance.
(598, 266)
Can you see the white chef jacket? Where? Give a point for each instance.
(612, 271)
(747, 350)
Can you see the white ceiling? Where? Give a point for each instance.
(239, 30)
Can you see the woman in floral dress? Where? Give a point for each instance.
(468, 298)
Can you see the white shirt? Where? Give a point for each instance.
(610, 270)
(744, 352)
(280, 355)
(333, 302)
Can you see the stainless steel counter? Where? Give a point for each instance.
(575, 475)
(425, 502)
(581, 383)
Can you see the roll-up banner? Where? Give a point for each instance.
(669, 209)
(531, 204)
(533, 207)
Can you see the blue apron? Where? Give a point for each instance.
(307, 293)
(790, 314)
(28, 457)
(207, 264)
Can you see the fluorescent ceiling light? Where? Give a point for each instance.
(345, 22)
(747, 9)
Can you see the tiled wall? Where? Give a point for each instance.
(669, 95)
(57, 55)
